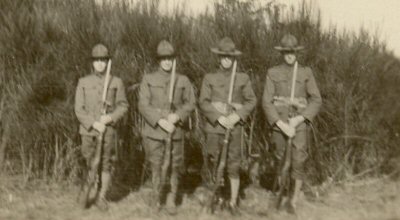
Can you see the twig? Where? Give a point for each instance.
(373, 181)
(349, 137)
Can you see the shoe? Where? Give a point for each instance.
(216, 205)
(172, 210)
(157, 205)
(102, 204)
(220, 204)
(291, 208)
(82, 200)
(234, 209)
(171, 206)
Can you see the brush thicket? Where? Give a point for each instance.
(45, 47)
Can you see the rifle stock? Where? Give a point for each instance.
(285, 171)
(166, 161)
(223, 154)
(94, 166)
(219, 174)
(168, 142)
(284, 183)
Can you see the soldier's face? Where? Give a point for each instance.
(100, 65)
(226, 62)
(289, 57)
(166, 64)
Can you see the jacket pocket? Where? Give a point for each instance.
(179, 92)
(281, 84)
(218, 90)
(158, 92)
(237, 94)
(92, 98)
(111, 99)
(300, 90)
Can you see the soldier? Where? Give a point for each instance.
(276, 103)
(213, 103)
(161, 122)
(88, 105)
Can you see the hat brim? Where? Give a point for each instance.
(279, 48)
(225, 53)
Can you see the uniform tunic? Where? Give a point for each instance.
(88, 106)
(276, 103)
(154, 105)
(213, 97)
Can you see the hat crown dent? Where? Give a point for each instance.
(226, 47)
(100, 51)
(165, 48)
(226, 44)
(289, 41)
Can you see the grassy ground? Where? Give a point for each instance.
(366, 199)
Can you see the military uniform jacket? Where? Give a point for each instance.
(154, 105)
(88, 102)
(215, 91)
(277, 94)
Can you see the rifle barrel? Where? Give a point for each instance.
(285, 175)
(94, 166)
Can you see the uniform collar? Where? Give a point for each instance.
(163, 73)
(225, 72)
(99, 75)
(163, 76)
(287, 65)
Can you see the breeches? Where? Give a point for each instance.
(299, 151)
(154, 150)
(88, 149)
(214, 146)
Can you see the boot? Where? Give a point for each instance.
(86, 197)
(293, 200)
(233, 208)
(156, 189)
(102, 202)
(82, 200)
(171, 205)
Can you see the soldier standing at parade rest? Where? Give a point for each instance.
(213, 104)
(88, 106)
(276, 104)
(161, 122)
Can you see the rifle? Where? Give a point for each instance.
(94, 166)
(168, 143)
(223, 154)
(285, 171)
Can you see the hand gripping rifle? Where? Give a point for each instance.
(284, 184)
(94, 166)
(168, 143)
(223, 154)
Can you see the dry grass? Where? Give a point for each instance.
(44, 45)
(379, 200)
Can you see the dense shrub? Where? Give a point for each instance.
(45, 46)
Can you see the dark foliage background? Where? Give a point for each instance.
(44, 46)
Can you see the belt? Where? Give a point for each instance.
(164, 112)
(285, 101)
(224, 107)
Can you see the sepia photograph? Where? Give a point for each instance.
(199, 109)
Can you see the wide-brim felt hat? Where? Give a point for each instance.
(100, 51)
(289, 43)
(165, 49)
(226, 47)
